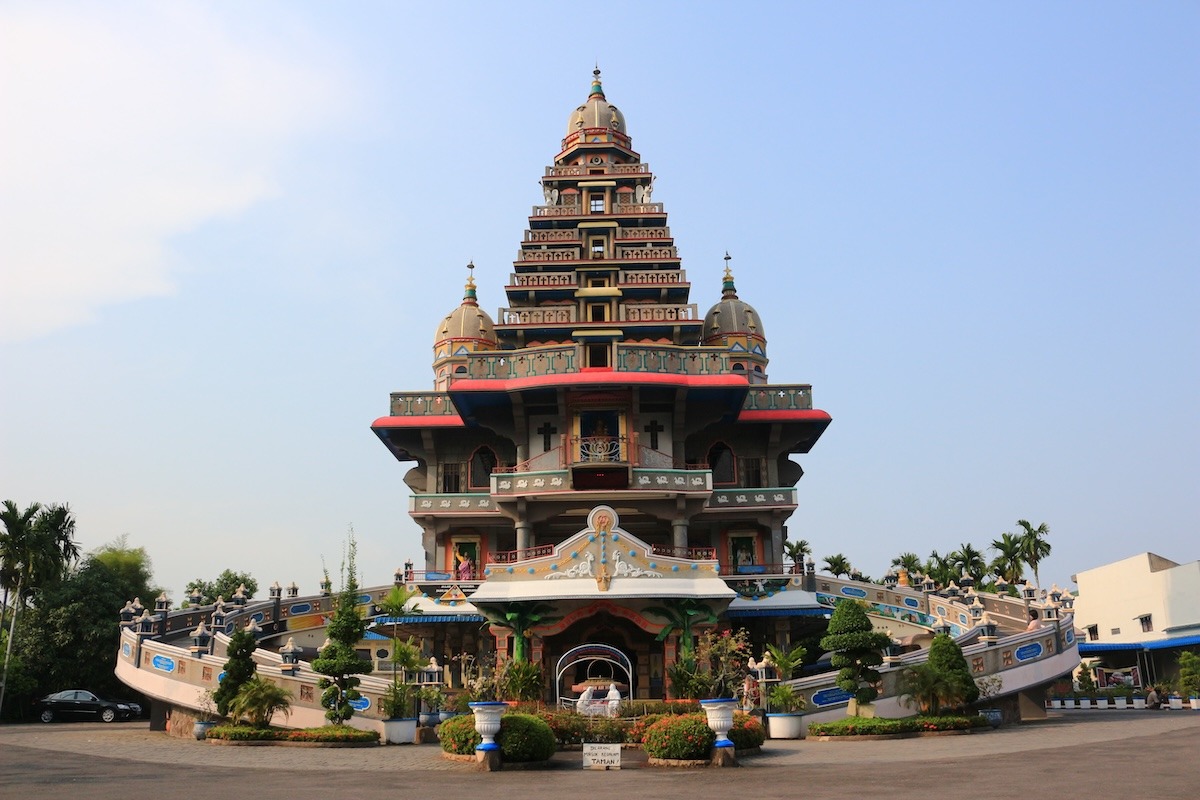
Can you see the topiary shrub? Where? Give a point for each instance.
(524, 737)
(947, 658)
(747, 731)
(857, 649)
(680, 737)
(458, 735)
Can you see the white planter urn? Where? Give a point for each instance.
(720, 718)
(785, 726)
(1177, 703)
(487, 722)
(1139, 703)
(400, 731)
(1102, 703)
(1194, 702)
(1121, 703)
(1056, 702)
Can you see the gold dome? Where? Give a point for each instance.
(468, 324)
(597, 112)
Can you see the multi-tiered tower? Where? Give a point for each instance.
(599, 445)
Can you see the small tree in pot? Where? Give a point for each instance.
(857, 649)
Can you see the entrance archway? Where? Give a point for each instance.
(604, 666)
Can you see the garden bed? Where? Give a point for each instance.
(876, 728)
(328, 736)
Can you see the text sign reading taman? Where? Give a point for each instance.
(601, 756)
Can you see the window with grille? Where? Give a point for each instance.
(452, 476)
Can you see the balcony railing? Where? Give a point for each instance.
(652, 277)
(551, 280)
(672, 360)
(452, 503)
(540, 315)
(659, 232)
(599, 449)
(558, 254)
(781, 497)
(655, 312)
(779, 398)
(512, 556)
(526, 364)
(647, 253)
(639, 208)
(421, 404)
(691, 553)
(552, 235)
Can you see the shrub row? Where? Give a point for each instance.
(329, 733)
(875, 726)
(522, 737)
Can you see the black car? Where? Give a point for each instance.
(81, 704)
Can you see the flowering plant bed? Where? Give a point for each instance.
(876, 726)
(329, 734)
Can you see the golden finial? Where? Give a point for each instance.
(470, 274)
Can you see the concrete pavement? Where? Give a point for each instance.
(1098, 753)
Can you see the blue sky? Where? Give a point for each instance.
(229, 231)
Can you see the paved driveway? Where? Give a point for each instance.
(1073, 754)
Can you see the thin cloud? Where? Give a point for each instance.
(123, 126)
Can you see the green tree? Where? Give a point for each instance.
(337, 661)
(68, 637)
(1009, 562)
(1189, 675)
(681, 614)
(927, 686)
(947, 658)
(968, 560)
(837, 565)
(909, 562)
(939, 568)
(1034, 547)
(796, 552)
(225, 586)
(37, 550)
(258, 700)
(786, 660)
(857, 649)
(131, 564)
(239, 669)
(520, 617)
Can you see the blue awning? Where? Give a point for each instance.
(824, 613)
(417, 619)
(1086, 648)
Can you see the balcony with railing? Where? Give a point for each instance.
(660, 253)
(539, 315)
(777, 397)
(530, 363)
(557, 254)
(552, 235)
(544, 280)
(674, 360)
(658, 312)
(422, 404)
(764, 498)
(652, 277)
(452, 503)
(643, 234)
(580, 170)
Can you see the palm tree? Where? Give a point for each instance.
(1034, 547)
(681, 615)
(1009, 562)
(909, 562)
(521, 617)
(940, 568)
(399, 602)
(796, 551)
(969, 560)
(258, 700)
(37, 548)
(929, 687)
(837, 565)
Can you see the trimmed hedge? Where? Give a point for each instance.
(522, 737)
(747, 731)
(876, 726)
(328, 733)
(684, 736)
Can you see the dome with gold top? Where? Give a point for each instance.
(596, 112)
(733, 317)
(467, 328)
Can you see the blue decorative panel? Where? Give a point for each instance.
(1028, 651)
(962, 618)
(361, 704)
(830, 697)
(363, 599)
(257, 616)
(1070, 637)
(854, 591)
(125, 650)
(912, 602)
(300, 608)
(163, 663)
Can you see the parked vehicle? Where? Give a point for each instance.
(80, 704)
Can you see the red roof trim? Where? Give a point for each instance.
(785, 415)
(588, 378)
(427, 421)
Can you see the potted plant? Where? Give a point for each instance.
(1139, 699)
(432, 700)
(784, 720)
(206, 715)
(399, 726)
(1120, 698)
(1189, 678)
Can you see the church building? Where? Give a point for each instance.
(600, 465)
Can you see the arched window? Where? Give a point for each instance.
(723, 465)
(739, 367)
(483, 461)
(460, 370)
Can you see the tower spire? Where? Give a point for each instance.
(469, 289)
(597, 87)
(727, 287)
